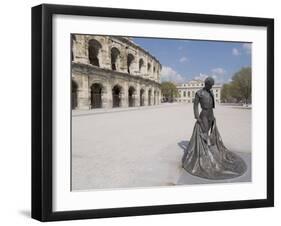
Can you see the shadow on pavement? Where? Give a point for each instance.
(183, 144)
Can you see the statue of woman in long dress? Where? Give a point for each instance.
(206, 156)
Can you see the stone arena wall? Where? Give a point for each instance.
(112, 72)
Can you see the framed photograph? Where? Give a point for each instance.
(146, 112)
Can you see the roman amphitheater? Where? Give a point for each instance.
(112, 71)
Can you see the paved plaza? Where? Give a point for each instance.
(143, 146)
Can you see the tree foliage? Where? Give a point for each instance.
(240, 88)
(169, 91)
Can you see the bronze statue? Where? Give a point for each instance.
(206, 156)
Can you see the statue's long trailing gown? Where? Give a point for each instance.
(214, 161)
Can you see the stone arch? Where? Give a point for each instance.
(141, 65)
(94, 47)
(115, 59)
(149, 97)
(148, 68)
(96, 95)
(131, 96)
(74, 96)
(117, 95)
(73, 39)
(130, 60)
(142, 94)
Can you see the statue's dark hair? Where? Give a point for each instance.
(209, 80)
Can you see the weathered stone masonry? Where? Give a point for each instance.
(111, 72)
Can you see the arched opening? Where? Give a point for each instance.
(94, 49)
(130, 59)
(74, 88)
(73, 39)
(96, 92)
(115, 56)
(148, 67)
(149, 97)
(154, 97)
(116, 96)
(141, 65)
(142, 97)
(131, 96)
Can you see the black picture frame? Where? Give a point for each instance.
(42, 106)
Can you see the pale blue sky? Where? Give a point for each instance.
(183, 60)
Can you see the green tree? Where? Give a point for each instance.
(225, 93)
(240, 88)
(169, 91)
(241, 85)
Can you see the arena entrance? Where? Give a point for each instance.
(149, 97)
(142, 97)
(74, 88)
(96, 91)
(116, 96)
(131, 97)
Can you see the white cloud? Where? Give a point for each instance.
(247, 47)
(218, 74)
(169, 74)
(201, 77)
(235, 52)
(183, 59)
(218, 71)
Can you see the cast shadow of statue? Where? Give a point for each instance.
(183, 145)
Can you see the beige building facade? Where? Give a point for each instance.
(187, 91)
(112, 71)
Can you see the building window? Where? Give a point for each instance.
(141, 65)
(148, 67)
(130, 59)
(184, 94)
(115, 53)
(188, 93)
(93, 51)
